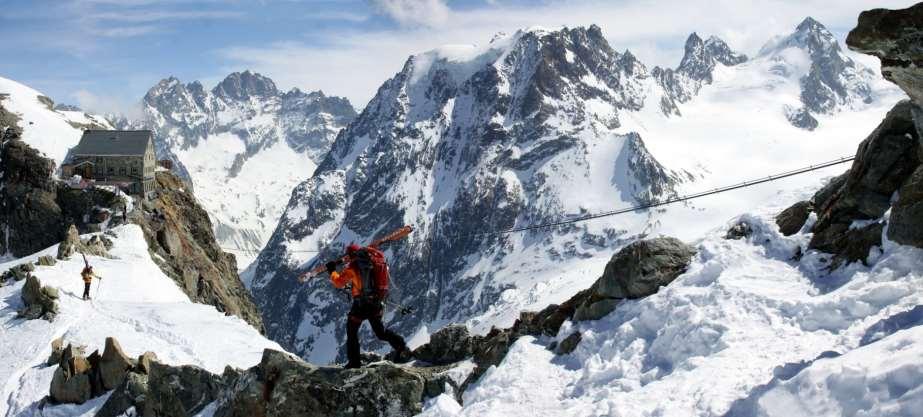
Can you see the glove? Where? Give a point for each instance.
(331, 267)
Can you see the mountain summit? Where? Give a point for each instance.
(239, 137)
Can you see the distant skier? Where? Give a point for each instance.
(88, 276)
(367, 272)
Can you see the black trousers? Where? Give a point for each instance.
(371, 310)
(86, 290)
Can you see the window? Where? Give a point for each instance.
(134, 170)
(122, 171)
(111, 170)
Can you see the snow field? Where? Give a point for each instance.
(44, 129)
(717, 334)
(135, 303)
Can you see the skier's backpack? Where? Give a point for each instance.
(373, 270)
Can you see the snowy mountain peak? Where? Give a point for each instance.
(239, 136)
(243, 85)
(830, 80)
(701, 56)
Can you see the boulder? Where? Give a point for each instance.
(46, 260)
(70, 245)
(894, 37)
(448, 345)
(792, 219)
(38, 301)
(71, 380)
(641, 268)
(114, 364)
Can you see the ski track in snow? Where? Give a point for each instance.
(135, 303)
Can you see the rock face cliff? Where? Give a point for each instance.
(180, 238)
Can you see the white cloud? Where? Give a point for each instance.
(429, 13)
(355, 63)
(98, 104)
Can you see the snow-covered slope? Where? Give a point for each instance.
(135, 303)
(535, 127)
(50, 131)
(746, 331)
(244, 145)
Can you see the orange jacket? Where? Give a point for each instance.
(349, 275)
(87, 276)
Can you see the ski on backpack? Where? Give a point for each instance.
(391, 237)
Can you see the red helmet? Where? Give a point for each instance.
(352, 248)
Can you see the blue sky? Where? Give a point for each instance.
(105, 54)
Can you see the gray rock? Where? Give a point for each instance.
(792, 219)
(741, 230)
(801, 118)
(884, 162)
(448, 345)
(57, 349)
(131, 393)
(906, 223)
(38, 302)
(568, 344)
(596, 310)
(848, 244)
(894, 37)
(46, 260)
(180, 390)
(285, 386)
(641, 268)
(114, 364)
(144, 362)
(71, 380)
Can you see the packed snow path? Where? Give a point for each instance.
(135, 303)
(711, 343)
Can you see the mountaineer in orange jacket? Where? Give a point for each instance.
(367, 273)
(87, 275)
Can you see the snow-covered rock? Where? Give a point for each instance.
(135, 303)
(51, 131)
(244, 145)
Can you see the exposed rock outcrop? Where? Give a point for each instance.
(72, 245)
(71, 380)
(39, 302)
(894, 36)
(792, 219)
(179, 235)
(35, 208)
(281, 385)
(638, 270)
(884, 162)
